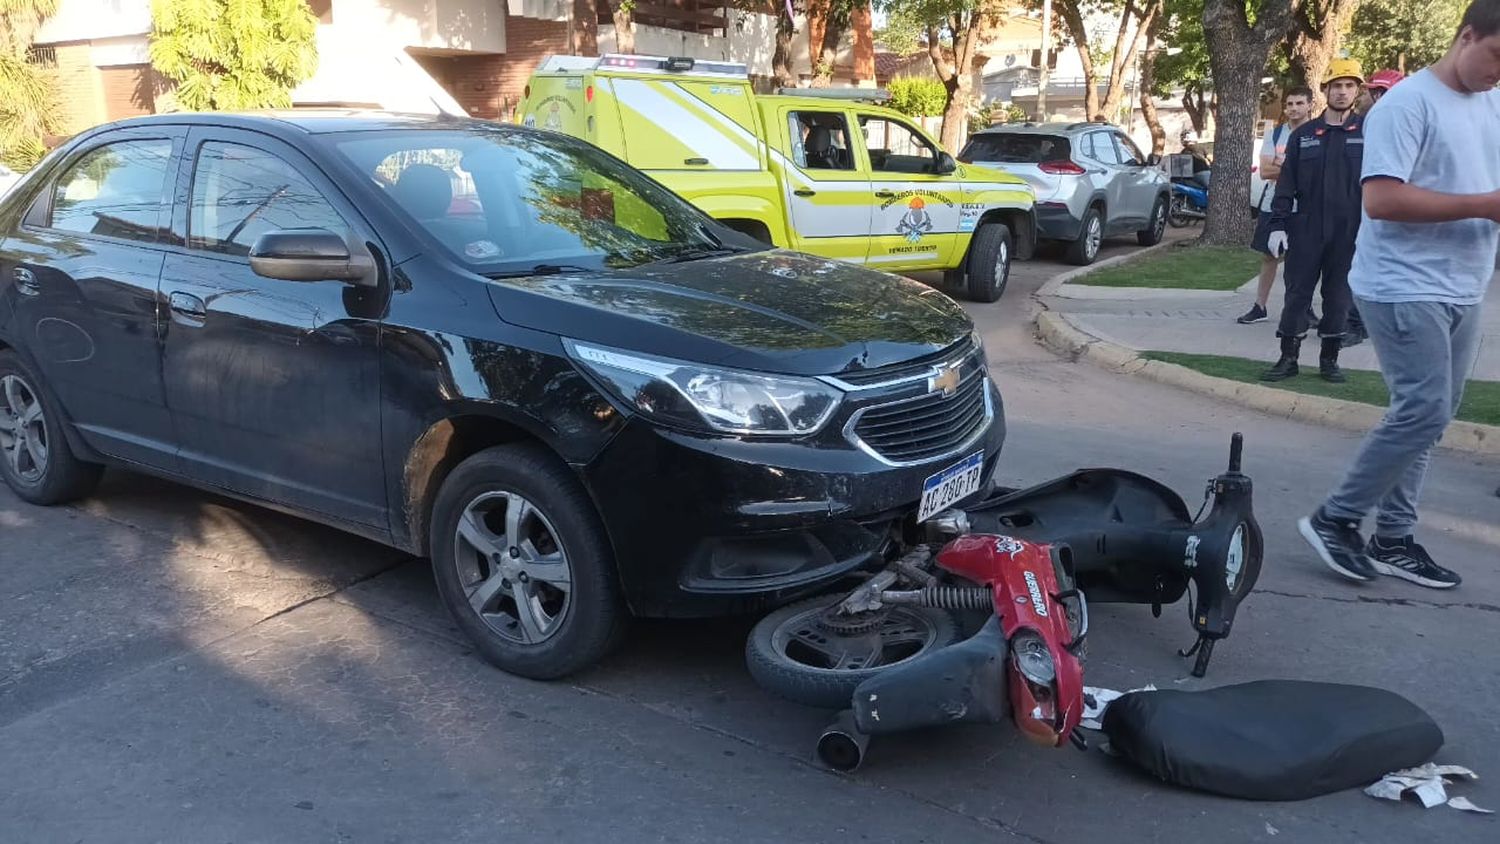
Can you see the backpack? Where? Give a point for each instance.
(1276, 134)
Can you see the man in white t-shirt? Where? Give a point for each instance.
(1296, 107)
(1422, 265)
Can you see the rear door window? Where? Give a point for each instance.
(1016, 148)
(117, 190)
(1100, 146)
(820, 140)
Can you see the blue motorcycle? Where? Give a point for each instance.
(1189, 203)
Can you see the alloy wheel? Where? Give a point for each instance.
(513, 567)
(23, 430)
(1095, 236)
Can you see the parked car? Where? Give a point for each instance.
(500, 348)
(827, 172)
(1091, 181)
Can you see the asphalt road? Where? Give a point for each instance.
(175, 667)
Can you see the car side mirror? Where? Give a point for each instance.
(944, 164)
(310, 255)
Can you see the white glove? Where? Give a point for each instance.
(1277, 243)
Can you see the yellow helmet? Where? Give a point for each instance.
(1344, 69)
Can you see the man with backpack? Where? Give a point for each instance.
(1295, 107)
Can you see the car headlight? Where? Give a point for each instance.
(710, 398)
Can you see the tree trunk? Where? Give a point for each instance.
(957, 77)
(1317, 29)
(624, 26)
(1237, 57)
(1148, 82)
(828, 55)
(781, 59)
(585, 28)
(1124, 55)
(1073, 20)
(1196, 106)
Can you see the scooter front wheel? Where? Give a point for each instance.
(807, 654)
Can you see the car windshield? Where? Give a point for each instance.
(506, 201)
(1017, 148)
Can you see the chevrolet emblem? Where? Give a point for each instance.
(945, 382)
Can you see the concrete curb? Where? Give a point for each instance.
(1058, 333)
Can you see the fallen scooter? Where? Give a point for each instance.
(888, 653)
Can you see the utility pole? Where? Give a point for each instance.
(1041, 85)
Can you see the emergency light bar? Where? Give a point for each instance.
(867, 95)
(645, 64)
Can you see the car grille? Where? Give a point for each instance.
(927, 426)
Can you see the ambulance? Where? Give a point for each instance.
(823, 171)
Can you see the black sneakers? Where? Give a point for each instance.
(1405, 559)
(1252, 316)
(1339, 545)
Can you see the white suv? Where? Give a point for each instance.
(1091, 181)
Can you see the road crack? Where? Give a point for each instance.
(1389, 602)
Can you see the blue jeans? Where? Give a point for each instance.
(1426, 351)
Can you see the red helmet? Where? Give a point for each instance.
(1384, 79)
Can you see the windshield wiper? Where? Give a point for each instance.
(702, 254)
(543, 269)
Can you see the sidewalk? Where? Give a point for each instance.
(1198, 322)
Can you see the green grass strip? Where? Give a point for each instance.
(1481, 398)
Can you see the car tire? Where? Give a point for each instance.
(782, 673)
(1085, 249)
(990, 257)
(562, 566)
(36, 460)
(1156, 224)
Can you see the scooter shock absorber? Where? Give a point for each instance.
(944, 597)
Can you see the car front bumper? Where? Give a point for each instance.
(705, 526)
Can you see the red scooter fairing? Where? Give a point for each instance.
(1030, 584)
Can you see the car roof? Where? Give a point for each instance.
(311, 121)
(1044, 129)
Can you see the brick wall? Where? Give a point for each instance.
(490, 86)
(78, 88)
(527, 42)
(473, 80)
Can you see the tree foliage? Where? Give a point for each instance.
(233, 54)
(918, 96)
(28, 91)
(1186, 69)
(951, 31)
(1403, 34)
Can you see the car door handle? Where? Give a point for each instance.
(696, 162)
(805, 192)
(187, 309)
(26, 281)
(885, 194)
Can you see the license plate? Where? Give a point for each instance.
(954, 483)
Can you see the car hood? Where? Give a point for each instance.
(771, 311)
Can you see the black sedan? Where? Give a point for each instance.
(499, 348)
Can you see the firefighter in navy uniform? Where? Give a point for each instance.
(1314, 219)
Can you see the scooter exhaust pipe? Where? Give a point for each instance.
(842, 746)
